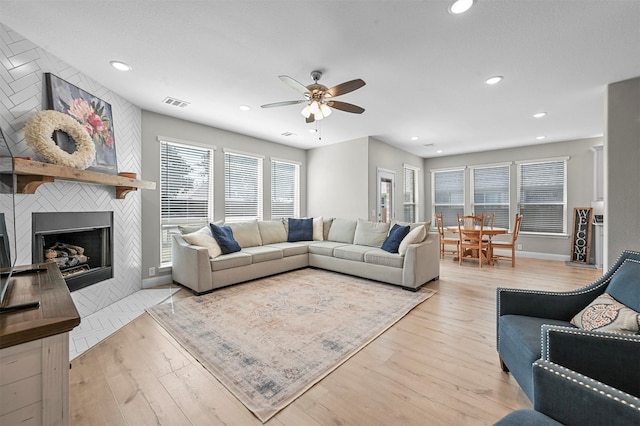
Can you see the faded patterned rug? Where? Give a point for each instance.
(270, 340)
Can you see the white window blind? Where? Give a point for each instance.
(410, 194)
(285, 189)
(448, 194)
(542, 196)
(490, 192)
(186, 188)
(242, 187)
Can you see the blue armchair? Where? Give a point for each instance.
(566, 397)
(611, 358)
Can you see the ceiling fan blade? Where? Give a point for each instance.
(310, 119)
(343, 106)
(285, 103)
(346, 87)
(294, 84)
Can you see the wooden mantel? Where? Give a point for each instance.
(31, 174)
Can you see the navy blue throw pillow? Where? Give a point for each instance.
(224, 237)
(300, 230)
(395, 237)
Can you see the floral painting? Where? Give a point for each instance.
(92, 113)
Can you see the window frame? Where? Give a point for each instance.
(295, 211)
(414, 204)
(501, 222)
(563, 203)
(259, 186)
(448, 221)
(168, 225)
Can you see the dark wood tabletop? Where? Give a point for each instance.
(56, 314)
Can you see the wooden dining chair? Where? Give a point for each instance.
(508, 244)
(473, 240)
(444, 240)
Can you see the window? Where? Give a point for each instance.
(542, 196)
(242, 187)
(410, 208)
(285, 189)
(490, 193)
(448, 194)
(186, 190)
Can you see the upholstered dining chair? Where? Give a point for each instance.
(508, 245)
(472, 241)
(444, 240)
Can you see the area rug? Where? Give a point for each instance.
(270, 340)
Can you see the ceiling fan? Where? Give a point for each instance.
(319, 98)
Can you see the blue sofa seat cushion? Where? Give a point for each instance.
(520, 345)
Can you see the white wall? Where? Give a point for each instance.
(155, 125)
(622, 169)
(580, 175)
(22, 94)
(337, 180)
(391, 158)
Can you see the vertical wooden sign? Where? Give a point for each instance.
(581, 238)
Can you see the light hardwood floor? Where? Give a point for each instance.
(436, 366)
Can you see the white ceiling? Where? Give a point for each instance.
(424, 67)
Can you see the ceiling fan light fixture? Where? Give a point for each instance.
(314, 107)
(306, 111)
(326, 111)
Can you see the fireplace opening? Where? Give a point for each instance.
(80, 243)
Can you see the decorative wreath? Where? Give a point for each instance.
(39, 130)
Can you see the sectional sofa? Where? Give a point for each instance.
(343, 245)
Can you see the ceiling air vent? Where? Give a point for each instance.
(288, 134)
(175, 102)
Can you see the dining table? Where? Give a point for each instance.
(474, 231)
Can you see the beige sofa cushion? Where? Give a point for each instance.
(415, 236)
(272, 231)
(231, 260)
(342, 230)
(370, 233)
(350, 252)
(203, 238)
(247, 234)
(384, 258)
(263, 253)
(318, 229)
(292, 249)
(324, 248)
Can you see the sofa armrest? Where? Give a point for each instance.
(573, 398)
(612, 358)
(190, 265)
(422, 262)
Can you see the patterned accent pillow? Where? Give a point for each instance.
(607, 314)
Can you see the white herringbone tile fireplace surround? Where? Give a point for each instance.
(22, 93)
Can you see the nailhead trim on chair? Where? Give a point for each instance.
(587, 385)
(582, 290)
(569, 330)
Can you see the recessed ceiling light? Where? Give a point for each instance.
(313, 130)
(414, 138)
(245, 107)
(460, 6)
(439, 151)
(541, 137)
(494, 80)
(539, 114)
(120, 66)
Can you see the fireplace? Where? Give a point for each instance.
(81, 243)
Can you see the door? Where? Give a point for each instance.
(386, 191)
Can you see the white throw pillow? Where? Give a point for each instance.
(203, 238)
(416, 235)
(318, 229)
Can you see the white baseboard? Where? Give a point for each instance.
(535, 255)
(156, 281)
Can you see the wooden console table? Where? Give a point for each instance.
(34, 349)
